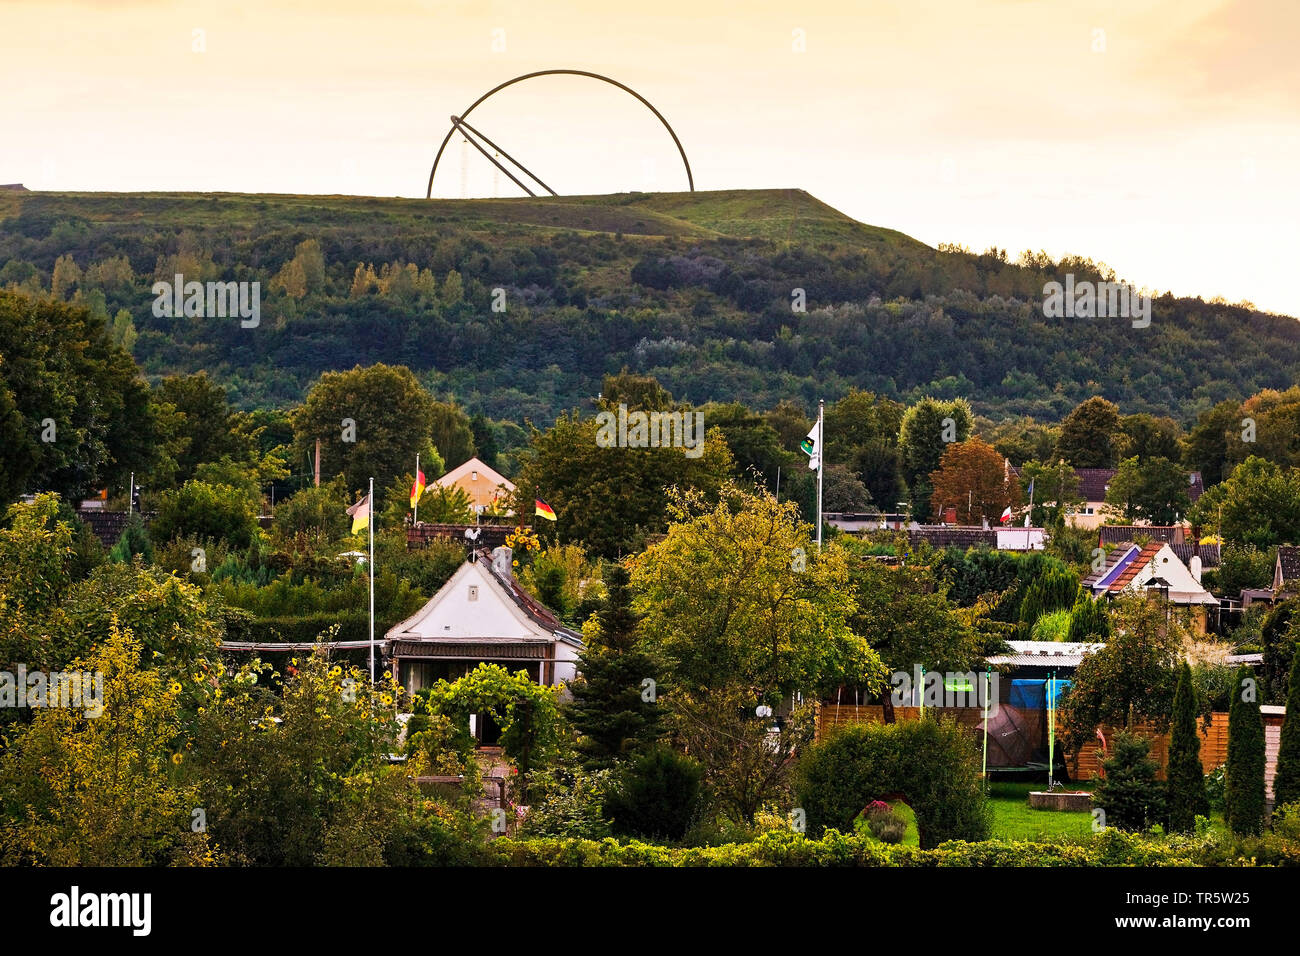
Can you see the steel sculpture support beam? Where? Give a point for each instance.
(460, 124)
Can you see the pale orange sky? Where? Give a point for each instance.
(1170, 154)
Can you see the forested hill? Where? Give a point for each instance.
(695, 288)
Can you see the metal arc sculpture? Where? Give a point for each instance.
(458, 124)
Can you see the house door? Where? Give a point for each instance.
(486, 730)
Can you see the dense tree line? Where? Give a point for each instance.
(713, 319)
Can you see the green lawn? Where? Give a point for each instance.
(1014, 820)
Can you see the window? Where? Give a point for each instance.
(473, 476)
(473, 592)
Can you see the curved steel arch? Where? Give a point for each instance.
(528, 76)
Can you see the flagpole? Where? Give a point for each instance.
(1051, 727)
(416, 519)
(1029, 518)
(984, 772)
(371, 521)
(821, 464)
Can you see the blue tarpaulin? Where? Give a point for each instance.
(1034, 694)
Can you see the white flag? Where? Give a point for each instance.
(810, 448)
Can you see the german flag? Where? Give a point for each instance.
(544, 510)
(417, 489)
(360, 513)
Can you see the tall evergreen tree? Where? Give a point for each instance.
(1185, 797)
(1088, 620)
(1244, 786)
(1286, 781)
(1055, 590)
(610, 709)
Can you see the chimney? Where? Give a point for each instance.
(1194, 566)
(502, 558)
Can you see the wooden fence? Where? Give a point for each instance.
(1086, 763)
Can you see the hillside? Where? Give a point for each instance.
(693, 287)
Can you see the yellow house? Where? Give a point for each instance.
(483, 484)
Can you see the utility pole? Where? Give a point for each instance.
(130, 497)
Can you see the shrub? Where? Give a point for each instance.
(1130, 794)
(526, 712)
(1052, 626)
(566, 803)
(1214, 785)
(221, 512)
(1278, 635)
(134, 541)
(656, 796)
(87, 553)
(316, 512)
(426, 569)
(933, 764)
(1055, 590)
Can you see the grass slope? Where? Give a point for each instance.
(789, 214)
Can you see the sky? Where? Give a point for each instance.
(1161, 137)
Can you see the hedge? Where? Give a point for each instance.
(307, 628)
(1111, 848)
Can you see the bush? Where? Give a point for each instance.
(656, 796)
(933, 764)
(134, 541)
(1214, 786)
(316, 512)
(221, 512)
(566, 803)
(1130, 794)
(1055, 590)
(1052, 626)
(427, 569)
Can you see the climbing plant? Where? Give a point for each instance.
(525, 711)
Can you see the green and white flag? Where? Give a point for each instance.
(809, 448)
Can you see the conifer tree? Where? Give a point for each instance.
(613, 708)
(1088, 620)
(1286, 781)
(1185, 797)
(1244, 785)
(1129, 793)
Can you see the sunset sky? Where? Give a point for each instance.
(1159, 136)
